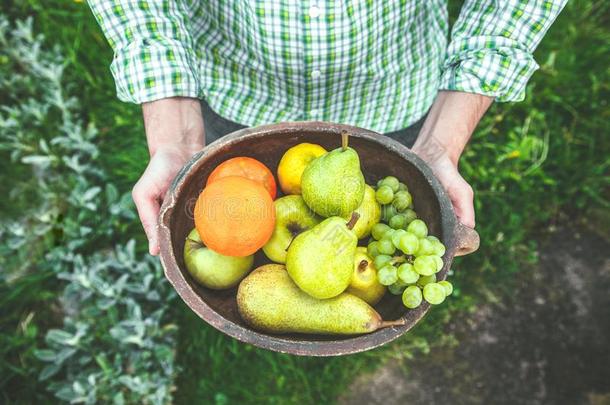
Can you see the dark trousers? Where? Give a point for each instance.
(216, 127)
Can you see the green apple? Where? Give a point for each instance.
(292, 216)
(369, 211)
(364, 283)
(212, 269)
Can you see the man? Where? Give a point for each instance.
(381, 65)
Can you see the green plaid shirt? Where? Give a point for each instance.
(377, 64)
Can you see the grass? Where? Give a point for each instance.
(527, 162)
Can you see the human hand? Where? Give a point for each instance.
(150, 189)
(458, 189)
(174, 129)
(450, 122)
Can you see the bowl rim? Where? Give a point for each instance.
(346, 345)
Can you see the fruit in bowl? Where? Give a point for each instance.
(234, 216)
(392, 247)
(364, 282)
(333, 184)
(369, 213)
(270, 301)
(292, 217)
(321, 260)
(212, 269)
(243, 166)
(293, 163)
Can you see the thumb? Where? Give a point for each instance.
(462, 198)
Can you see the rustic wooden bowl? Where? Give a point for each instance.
(380, 156)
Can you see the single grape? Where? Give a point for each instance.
(387, 212)
(439, 263)
(412, 297)
(379, 183)
(425, 247)
(387, 275)
(409, 243)
(396, 235)
(425, 265)
(391, 182)
(397, 288)
(398, 221)
(410, 214)
(402, 200)
(388, 234)
(373, 249)
(402, 187)
(432, 238)
(418, 227)
(384, 195)
(447, 286)
(407, 274)
(379, 230)
(423, 280)
(434, 293)
(439, 248)
(386, 246)
(381, 260)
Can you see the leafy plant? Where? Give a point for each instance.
(527, 162)
(114, 346)
(115, 343)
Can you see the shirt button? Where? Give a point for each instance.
(315, 74)
(314, 11)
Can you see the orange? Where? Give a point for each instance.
(245, 167)
(234, 216)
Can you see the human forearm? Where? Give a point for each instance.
(175, 123)
(174, 130)
(442, 139)
(449, 124)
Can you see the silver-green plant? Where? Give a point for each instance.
(115, 344)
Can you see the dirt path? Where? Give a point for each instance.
(549, 343)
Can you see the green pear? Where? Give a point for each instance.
(369, 212)
(292, 216)
(212, 269)
(321, 260)
(333, 184)
(364, 283)
(269, 301)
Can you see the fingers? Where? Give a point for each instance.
(460, 192)
(462, 197)
(147, 203)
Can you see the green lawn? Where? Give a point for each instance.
(527, 162)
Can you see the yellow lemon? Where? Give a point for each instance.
(292, 164)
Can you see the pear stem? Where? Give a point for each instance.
(389, 324)
(291, 240)
(353, 220)
(344, 140)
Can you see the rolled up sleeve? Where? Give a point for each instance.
(492, 45)
(154, 56)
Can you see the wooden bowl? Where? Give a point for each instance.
(380, 156)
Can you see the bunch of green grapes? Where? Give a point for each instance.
(406, 257)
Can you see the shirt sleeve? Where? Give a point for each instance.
(492, 44)
(153, 49)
